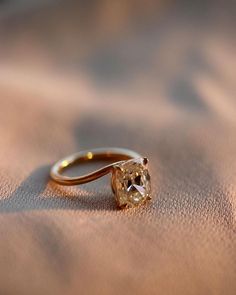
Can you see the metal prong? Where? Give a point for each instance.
(145, 161)
(124, 206)
(118, 167)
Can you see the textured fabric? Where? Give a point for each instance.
(155, 78)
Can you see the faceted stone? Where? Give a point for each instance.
(131, 182)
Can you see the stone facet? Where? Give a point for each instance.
(131, 182)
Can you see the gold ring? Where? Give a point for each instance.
(130, 178)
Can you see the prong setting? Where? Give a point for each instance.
(145, 161)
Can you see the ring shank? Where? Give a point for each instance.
(112, 154)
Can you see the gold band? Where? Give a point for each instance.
(111, 154)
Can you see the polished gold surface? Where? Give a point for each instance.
(99, 154)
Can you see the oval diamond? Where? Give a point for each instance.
(131, 182)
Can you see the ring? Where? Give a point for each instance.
(130, 178)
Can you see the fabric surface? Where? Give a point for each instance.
(154, 77)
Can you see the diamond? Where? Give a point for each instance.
(131, 182)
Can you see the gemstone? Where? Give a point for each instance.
(131, 182)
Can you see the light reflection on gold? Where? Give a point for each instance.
(89, 155)
(64, 163)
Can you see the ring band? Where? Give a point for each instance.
(130, 176)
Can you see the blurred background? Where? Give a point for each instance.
(154, 76)
(177, 52)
